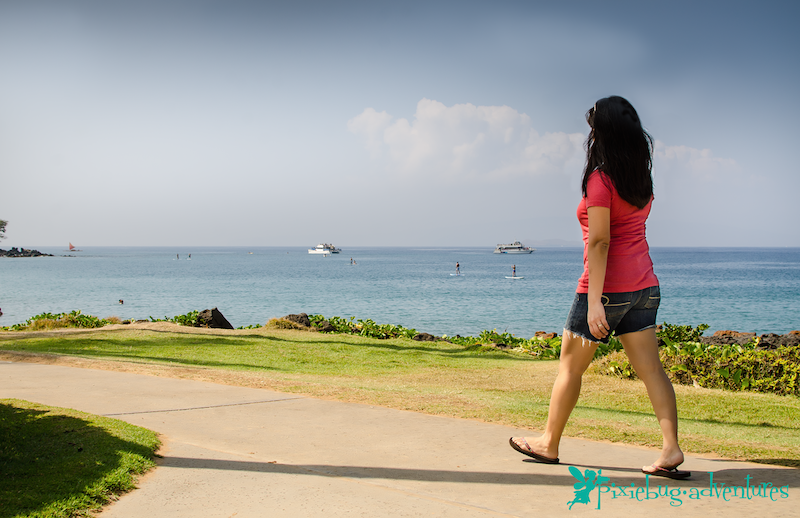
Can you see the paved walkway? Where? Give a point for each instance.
(242, 452)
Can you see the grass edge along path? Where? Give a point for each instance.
(477, 382)
(60, 463)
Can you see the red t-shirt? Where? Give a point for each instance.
(629, 266)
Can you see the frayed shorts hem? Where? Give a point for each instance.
(570, 332)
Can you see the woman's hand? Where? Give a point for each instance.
(596, 318)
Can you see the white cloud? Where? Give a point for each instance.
(370, 124)
(482, 150)
(700, 165)
(467, 141)
(697, 197)
(684, 175)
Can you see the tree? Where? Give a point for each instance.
(3, 229)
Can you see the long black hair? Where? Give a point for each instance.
(621, 148)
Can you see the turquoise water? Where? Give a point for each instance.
(754, 290)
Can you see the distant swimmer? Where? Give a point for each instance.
(458, 269)
(120, 301)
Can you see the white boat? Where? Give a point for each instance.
(514, 248)
(324, 249)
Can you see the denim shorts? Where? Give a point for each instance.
(627, 312)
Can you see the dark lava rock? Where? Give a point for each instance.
(728, 338)
(301, 319)
(213, 318)
(766, 341)
(424, 337)
(773, 341)
(325, 327)
(22, 252)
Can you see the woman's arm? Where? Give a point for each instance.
(597, 252)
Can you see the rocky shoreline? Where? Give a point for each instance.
(766, 341)
(22, 252)
(213, 318)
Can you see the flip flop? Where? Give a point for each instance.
(530, 453)
(673, 473)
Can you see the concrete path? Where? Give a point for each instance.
(242, 452)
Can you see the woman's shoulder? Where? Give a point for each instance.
(599, 179)
(598, 173)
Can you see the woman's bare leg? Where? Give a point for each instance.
(576, 355)
(642, 350)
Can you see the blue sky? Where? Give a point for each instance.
(416, 123)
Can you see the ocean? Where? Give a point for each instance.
(744, 289)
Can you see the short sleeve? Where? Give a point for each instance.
(598, 190)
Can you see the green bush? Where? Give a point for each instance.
(676, 333)
(189, 319)
(45, 321)
(688, 361)
(251, 326)
(282, 323)
(775, 371)
(544, 348)
(368, 328)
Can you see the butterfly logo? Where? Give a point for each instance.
(586, 483)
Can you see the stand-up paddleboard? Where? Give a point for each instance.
(457, 274)
(510, 277)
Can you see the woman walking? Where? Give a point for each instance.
(618, 290)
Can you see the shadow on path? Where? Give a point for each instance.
(560, 474)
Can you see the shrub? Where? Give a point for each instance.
(614, 364)
(47, 321)
(189, 319)
(676, 333)
(730, 367)
(367, 327)
(545, 349)
(282, 323)
(776, 371)
(42, 324)
(251, 326)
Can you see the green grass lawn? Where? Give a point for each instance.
(57, 462)
(440, 378)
